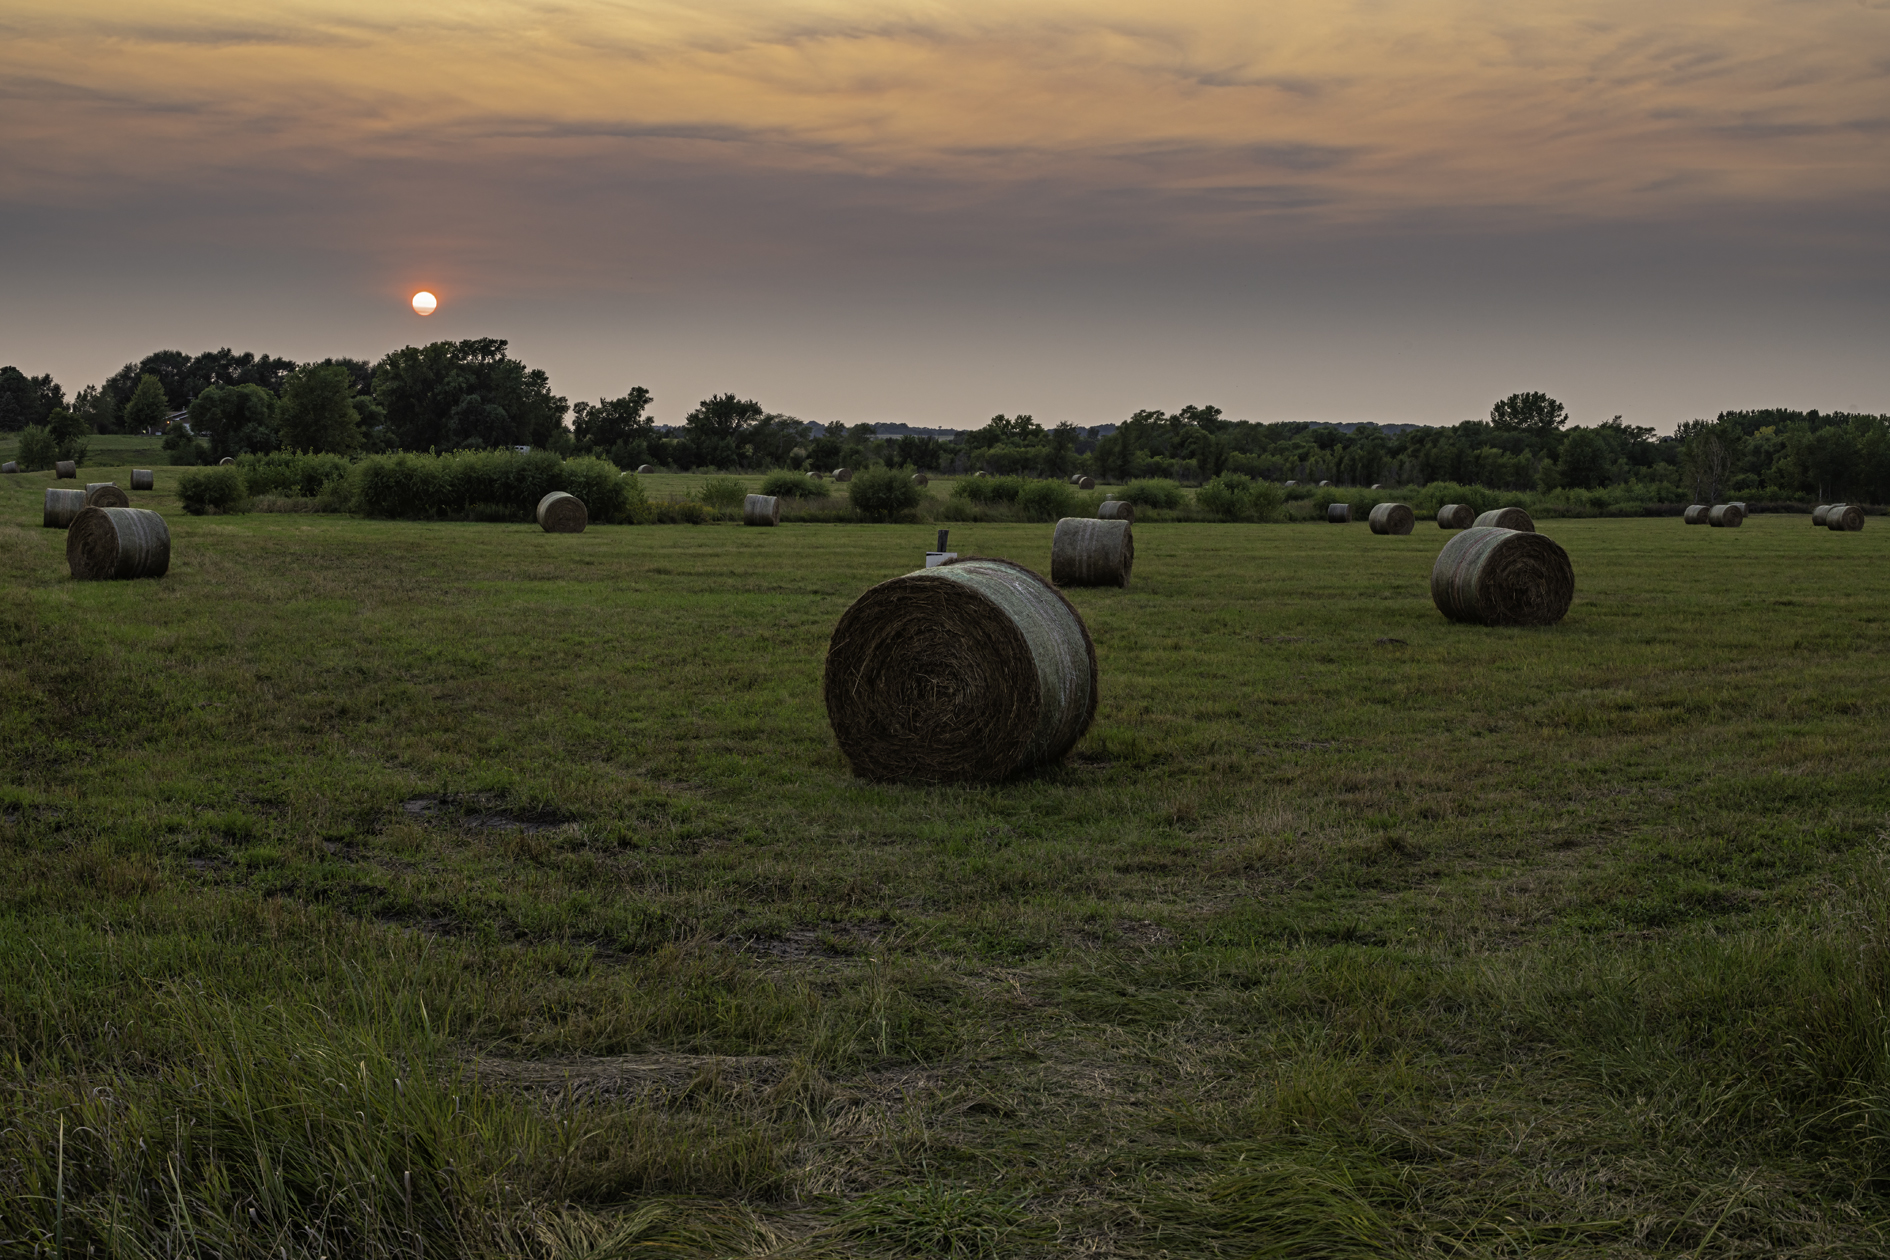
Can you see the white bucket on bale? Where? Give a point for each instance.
(106, 543)
(1087, 551)
(761, 509)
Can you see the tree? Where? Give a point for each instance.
(618, 427)
(69, 432)
(235, 419)
(148, 406)
(317, 412)
(1584, 462)
(716, 430)
(1535, 414)
(454, 395)
(1707, 453)
(26, 400)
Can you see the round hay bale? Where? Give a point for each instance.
(118, 542)
(65, 470)
(225, 462)
(1338, 513)
(920, 479)
(9, 467)
(1743, 509)
(1725, 516)
(1392, 518)
(1818, 514)
(1325, 483)
(1697, 514)
(1088, 551)
(62, 507)
(1846, 517)
(142, 479)
(1456, 516)
(1502, 577)
(761, 509)
(818, 476)
(106, 494)
(1116, 510)
(1506, 518)
(1378, 485)
(1083, 483)
(561, 513)
(981, 473)
(645, 469)
(1290, 484)
(974, 670)
(843, 474)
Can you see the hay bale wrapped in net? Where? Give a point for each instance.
(561, 513)
(118, 542)
(1697, 514)
(1506, 518)
(226, 462)
(1502, 577)
(974, 670)
(1846, 517)
(62, 507)
(1089, 551)
(9, 467)
(65, 470)
(1725, 516)
(1456, 516)
(1392, 518)
(920, 479)
(106, 494)
(142, 479)
(843, 474)
(644, 470)
(761, 509)
(1338, 513)
(1325, 483)
(1818, 514)
(1116, 510)
(1081, 482)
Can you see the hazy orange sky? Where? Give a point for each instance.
(934, 212)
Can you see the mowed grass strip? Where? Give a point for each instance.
(465, 887)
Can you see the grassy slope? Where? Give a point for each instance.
(347, 840)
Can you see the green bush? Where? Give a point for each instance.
(38, 448)
(989, 489)
(292, 475)
(603, 490)
(882, 494)
(203, 490)
(687, 512)
(793, 485)
(1234, 497)
(1046, 501)
(1153, 494)
(499, 485)
(723, 493)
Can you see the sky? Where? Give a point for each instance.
(1343, 210)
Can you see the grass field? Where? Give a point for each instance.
(397, 889)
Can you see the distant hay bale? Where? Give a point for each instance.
(1325, 483)
(9, 467)
(65, 470)
(118, 542)
(1506, 518)
(1456, 516)
(974, 670)
(1088, 551)
(1392, 518)
(761, 509)
(1116, 510)
(843, 474)
(62, 507)
(142, 479)
(1338, 513)
(981, 473)
(1725, 516)
(1081, 482)
(818, 476)
(561, 513)
(1502, 577)
(225, 462)
(1290, 484)
(105, 494)
(1846, 517)
(644, 470)
(920, 479)
(1698, 514)
(1378, 485)
(1818, 514)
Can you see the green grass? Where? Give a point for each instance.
(464, 889)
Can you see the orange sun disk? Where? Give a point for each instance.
(425, 303)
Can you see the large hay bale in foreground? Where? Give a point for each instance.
(1696, 514)
(1725, 516)
(761, 509)
(62, 507)
(143, 479)
(1092, 552)
(1456, 516)
(561, 513)
(1818, 514)
(118, 542)
(106, 494)
(1338, 513)
(1502, 577)
(1116, 510)
(1392, 518)
(1844, 516)
(1506, 518)
(65, 470)
(843, 474)
(973, 670)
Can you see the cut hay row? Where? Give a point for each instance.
(118, 542)
(1697, 514)
(974, 670)
(62, 506)
(1725, 516)
(1502, 577)
(1846, 517)
(1338, 513)
(1116, 510)
(1456, 516)
(65, 470)
(143, 479)
(106, 494)
(1392, 518)
(561, 513)
(1506, 518)
(761, 509)
(1092, 552)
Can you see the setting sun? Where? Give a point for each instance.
(425, 303)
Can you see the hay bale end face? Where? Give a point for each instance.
(106, 494)
(9, 467)
(1338, 513)
(1502, 577)
(974, 670)
(1818, 514)
(65, 470)
(1506, 518)
(1696, 514)
(920, 479)
(142, 479)
(1456, 516)
(1844, 517)
(62, 507)
(1092, 552)
(118, 542)
(561, 513)
(1392, 518)
(1116, 510)
(843, 474)
(1725, 516)
(761, 509)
